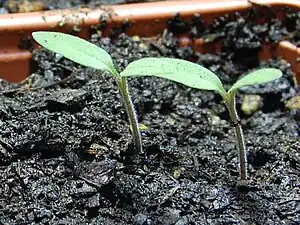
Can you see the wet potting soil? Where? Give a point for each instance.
(21, 6)
(66, 149)
(284, 23)
(293, 28)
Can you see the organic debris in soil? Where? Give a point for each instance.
(22, 6)
(258, 24)
(64, 141)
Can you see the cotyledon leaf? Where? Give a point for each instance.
(76, 49)
(178, 70)
(257, 77)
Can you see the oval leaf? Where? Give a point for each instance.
(178, 70)
(257, 77)
(76, 49)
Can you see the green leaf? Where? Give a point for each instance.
(76, 49)
(178, 70)
(257, 77)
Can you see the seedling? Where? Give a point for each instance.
(90, 55)
(196, 76)
(181, 71)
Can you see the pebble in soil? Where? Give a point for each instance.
(63, 147)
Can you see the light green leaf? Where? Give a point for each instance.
(178, 70)
(257, 77)
(76, 49)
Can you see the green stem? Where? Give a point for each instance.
(239, 137)
(131, 114)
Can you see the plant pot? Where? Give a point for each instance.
(15, 29)
(65, 142)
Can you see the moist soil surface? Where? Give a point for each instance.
(20, 6)
(67, 154)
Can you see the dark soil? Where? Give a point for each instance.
(293, 19)
(17, 6)
(285, 24)
(65, 142)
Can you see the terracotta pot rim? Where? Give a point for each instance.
(277, 3)
(117, 13)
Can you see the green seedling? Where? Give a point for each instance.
(181, 71)
(90, 55)
(196, 76)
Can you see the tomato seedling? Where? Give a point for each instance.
(178, 70)
(196, 76)
(90, 55)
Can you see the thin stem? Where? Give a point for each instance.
(239, 137)
(131, 114)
